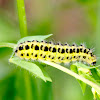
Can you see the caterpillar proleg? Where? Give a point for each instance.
(57, 53)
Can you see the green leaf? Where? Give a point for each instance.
(38, 37)
(42, 66)
(11, 45)
(74, 68)
(79, 64)
(95, 94)
(82, 84)
(31, 67)
(89, 77)
(82, 70)
(47, 77)
(98, 72)
(95, 74)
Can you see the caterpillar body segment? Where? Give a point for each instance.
(57, 53)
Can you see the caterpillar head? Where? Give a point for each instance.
(94, 60)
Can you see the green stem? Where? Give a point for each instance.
(73, 74)
(22, 18)
(28, 86)
(11, 45)
(23, 32)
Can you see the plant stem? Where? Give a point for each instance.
(22, 18)
(23, 32)
(73, 74)
(11, 45)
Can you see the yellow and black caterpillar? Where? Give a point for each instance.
(57, 53)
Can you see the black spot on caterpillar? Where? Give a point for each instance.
(57, 53)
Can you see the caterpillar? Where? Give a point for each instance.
(57, 53)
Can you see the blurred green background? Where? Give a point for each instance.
(72, 21)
